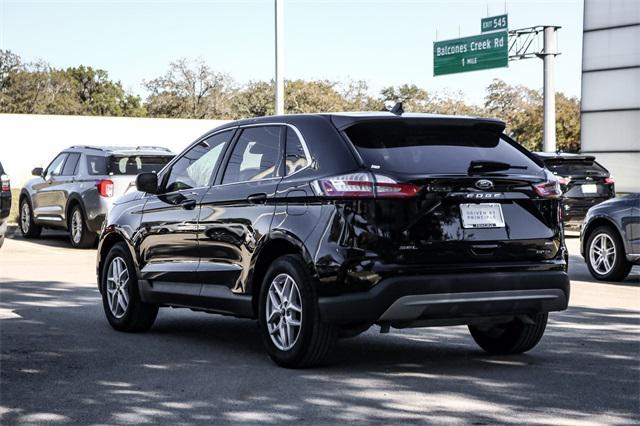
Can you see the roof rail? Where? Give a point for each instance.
(87, 147)
(159, 148)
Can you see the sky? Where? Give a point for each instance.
(382, 42)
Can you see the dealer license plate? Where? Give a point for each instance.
(486, 215)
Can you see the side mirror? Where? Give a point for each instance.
(37, 171)
(147, 182)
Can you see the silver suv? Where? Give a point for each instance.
(79, 186)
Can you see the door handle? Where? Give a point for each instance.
(260, 198)
(188, 204)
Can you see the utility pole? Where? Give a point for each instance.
(523, 45)
(279, 14)
(549, 91)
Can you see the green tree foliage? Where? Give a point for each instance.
(38, 88)
(192, 89)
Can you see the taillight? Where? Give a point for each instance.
(105, 188)
(610, 180)
(6, 183)
(548, 189)
(564, 180)
(364, 185)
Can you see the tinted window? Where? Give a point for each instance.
(96, 165)
(409, 147)
(255, 155)
(69, 168)
(295, 159)
(134, 164)
(195, 168)
(55, 168)
(574, 167)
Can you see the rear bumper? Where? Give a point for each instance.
(402, 300)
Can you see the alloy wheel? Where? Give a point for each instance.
(284, 312)
(118, 287)
(602, 254)
(76, 226)
(25, 219)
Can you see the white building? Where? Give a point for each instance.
(611, 88)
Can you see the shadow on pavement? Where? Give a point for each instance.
(62, 363)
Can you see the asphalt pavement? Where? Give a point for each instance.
(61, 363)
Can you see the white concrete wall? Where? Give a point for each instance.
(611, 88)
(28, 141)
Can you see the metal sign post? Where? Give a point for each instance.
(279, 15)
(549, 91)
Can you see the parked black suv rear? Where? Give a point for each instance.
(322, 225)
(584, 183)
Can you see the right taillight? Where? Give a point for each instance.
(6, 183)
(363, 184)
(105, 188)
(609, 180)
(548, 189)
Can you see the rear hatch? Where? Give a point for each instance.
(464, 194)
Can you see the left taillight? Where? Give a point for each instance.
(548, 189)
(363, 185)
(6, 183)
(105, 188)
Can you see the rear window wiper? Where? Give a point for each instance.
(490, 166)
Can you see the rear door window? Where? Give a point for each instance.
(255, 156)
(71, 164)
(414, 148)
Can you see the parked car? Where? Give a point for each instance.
(5, 202)
(79, 186)
(610, 238)
(321, 225)
(584, 183)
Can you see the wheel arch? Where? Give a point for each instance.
(74, 199)
(278, 244)
(107, 241)
(593, 225)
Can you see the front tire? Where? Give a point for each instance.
(120, 296)
(514, 337)
(292, 331)
(605, 255)
(28, 227)
(79, 234)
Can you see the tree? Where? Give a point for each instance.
(190, 89)
(312, 96)
(255, 100)
(413, 98)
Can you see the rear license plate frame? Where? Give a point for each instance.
(473, 216)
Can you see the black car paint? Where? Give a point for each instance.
(212, 257)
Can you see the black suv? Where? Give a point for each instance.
(584, 183)
(321, 225)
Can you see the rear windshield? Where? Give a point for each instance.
(406, 147)
(575, 167)
(126, 165)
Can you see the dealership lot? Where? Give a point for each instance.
(62, 363)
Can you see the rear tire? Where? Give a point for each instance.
(292, 331)
(28, 227)
(120, 296)
(79, 234)
(605, 255)
(514, 337)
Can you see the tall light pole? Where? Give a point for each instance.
(549, 91)
(279, 57)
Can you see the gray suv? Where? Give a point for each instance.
(79, 186)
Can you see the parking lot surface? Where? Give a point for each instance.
(62, 363)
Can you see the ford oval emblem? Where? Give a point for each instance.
(484, 184)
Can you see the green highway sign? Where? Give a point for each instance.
(474, 53)
(494, 23)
